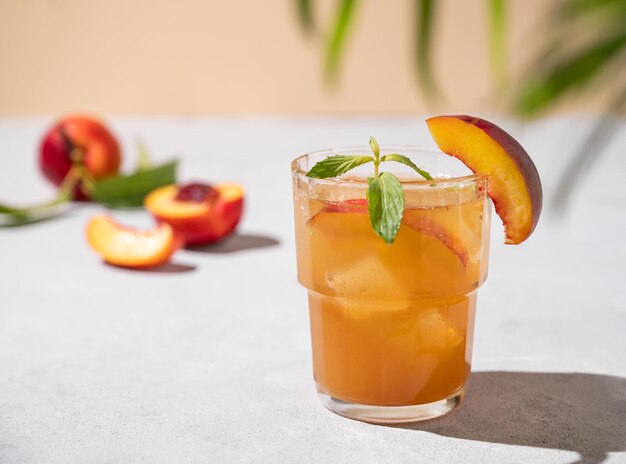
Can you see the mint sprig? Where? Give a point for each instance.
(385, 196)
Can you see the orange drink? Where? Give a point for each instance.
(392, 325)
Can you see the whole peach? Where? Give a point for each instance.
(80, 141)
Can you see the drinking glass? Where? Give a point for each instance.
(392, 325)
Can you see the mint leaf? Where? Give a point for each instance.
(334, 166)
(385, 199)
(374, 146)
(406, 161)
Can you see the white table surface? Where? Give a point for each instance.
(208, 359)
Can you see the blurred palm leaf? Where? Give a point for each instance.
(547, 86)
(336, 39)
(305, 15)
(561, 69)
(576, 8)
(556, 72)
(497, 41)
(425, 11)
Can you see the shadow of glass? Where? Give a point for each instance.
(237, 242)
(167, 268)
(585, 413)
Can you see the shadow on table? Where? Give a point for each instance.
(585, 413)
(237, 242)
(167, 268)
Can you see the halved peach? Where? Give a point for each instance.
(199, 213)
(124, 246)
(514, 184)
(420, 220)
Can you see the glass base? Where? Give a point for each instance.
(391, 414)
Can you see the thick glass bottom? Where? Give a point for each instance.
(391, 414)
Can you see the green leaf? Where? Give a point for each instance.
(120, 191)
(385, 199)
(144, 162)
(425, 22)
(497, 41)
(334, 166)
(406, 161)
(544, 90)
(10, 216)
(17, 216)
(336, 40)
(576, 8)
(305, 14)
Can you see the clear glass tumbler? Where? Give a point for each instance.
(392, 325)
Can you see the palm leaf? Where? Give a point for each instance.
(305, 15)
(337, 38)
(497, 41)
(578, 70)
(573, 9)
(425, 11)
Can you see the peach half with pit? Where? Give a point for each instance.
(199, 213)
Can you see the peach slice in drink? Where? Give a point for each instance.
(423, 222)
(420, 220)
(428, 257)
(514, 184)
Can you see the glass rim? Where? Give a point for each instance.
(467, 179)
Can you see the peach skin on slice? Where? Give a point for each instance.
(127, 247)
(514, 184)
(423, 222)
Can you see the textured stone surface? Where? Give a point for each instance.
(208, 359)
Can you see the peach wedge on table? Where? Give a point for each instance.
(128, 247)
(514, 184)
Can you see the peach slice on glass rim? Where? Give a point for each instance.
(514, 184)
(198, 212)
(128, 247)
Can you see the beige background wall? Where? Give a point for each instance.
(219, 56)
